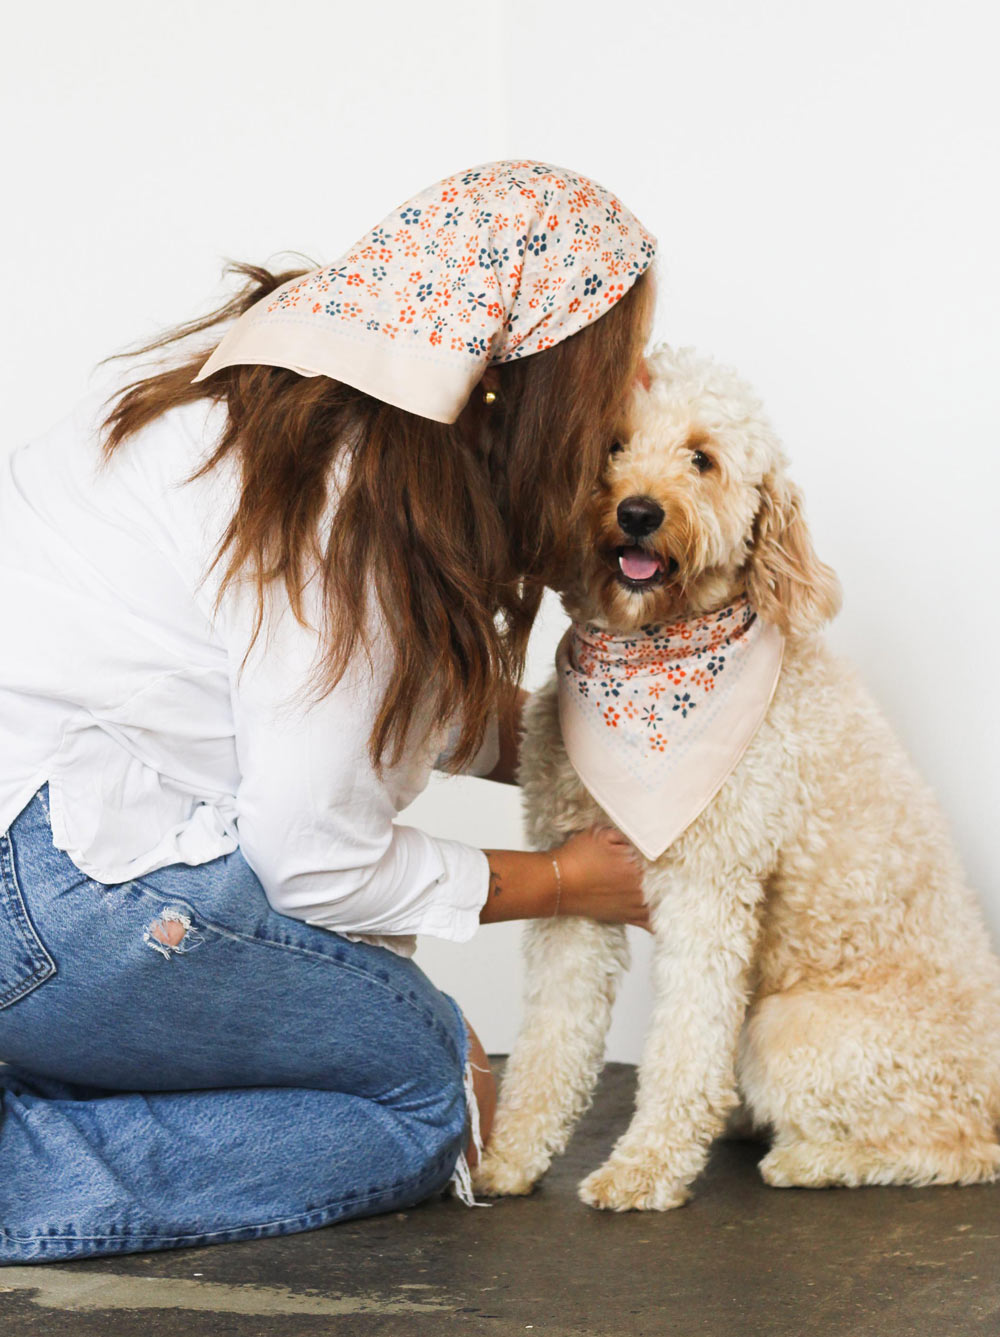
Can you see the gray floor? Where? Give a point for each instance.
(738, 1261)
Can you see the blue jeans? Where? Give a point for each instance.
(259, 1078)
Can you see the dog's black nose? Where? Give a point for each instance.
(639, 516)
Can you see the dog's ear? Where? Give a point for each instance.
(787, 583)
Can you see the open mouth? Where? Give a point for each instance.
(641, 570)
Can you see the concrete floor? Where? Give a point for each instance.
(738, 1261)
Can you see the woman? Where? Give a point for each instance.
(247, 608)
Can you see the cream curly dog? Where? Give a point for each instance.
(817, 950)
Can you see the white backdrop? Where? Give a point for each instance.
(823, 182)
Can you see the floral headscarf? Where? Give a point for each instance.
(491, 264)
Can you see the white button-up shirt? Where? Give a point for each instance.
(120, 685)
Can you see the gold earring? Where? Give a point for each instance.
(489, 397)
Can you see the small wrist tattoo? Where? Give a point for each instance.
(496, 883)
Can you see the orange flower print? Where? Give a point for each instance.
(355, 280)
(658, 742)
(611, 717)
(574, 305)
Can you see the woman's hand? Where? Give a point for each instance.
(602, 878)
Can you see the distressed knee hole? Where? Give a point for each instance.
(171, 932)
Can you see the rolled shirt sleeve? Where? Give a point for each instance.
(315, 821)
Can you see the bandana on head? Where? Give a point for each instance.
(655, 722)
(490, 264)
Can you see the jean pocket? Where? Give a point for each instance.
(24, 962)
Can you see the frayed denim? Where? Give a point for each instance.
(184, 1066)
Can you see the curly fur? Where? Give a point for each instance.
(817, 950)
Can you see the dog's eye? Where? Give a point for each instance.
(701, 461)
(615, 448)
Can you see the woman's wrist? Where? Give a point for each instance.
(524, 885)
(595, 873)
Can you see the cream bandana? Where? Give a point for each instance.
(656, 721)
(490, 264)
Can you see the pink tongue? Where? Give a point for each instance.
(638, 565)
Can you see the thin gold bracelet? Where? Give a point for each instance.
(555, 865)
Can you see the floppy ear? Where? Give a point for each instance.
(787, 583)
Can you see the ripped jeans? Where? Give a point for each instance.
(185, 1066)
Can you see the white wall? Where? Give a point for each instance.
(822, 179)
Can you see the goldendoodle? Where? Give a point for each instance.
(817, 950)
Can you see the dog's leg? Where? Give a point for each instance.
(572, 966)
(705, 937)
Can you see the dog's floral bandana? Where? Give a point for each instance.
(493, 263)
(655, 722)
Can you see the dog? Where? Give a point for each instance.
(821, 970)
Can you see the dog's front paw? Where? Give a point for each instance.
(633, 1186)
(497, 1177)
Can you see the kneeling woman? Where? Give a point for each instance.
(249, 602)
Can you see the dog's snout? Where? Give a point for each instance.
(639, 516)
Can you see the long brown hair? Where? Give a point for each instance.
(457, 528)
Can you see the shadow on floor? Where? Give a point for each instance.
(740, 1260)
